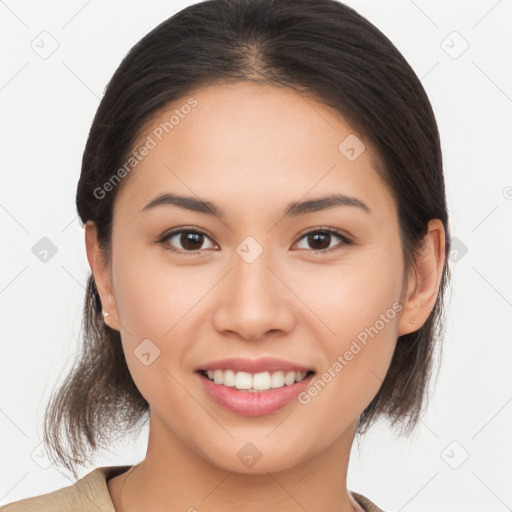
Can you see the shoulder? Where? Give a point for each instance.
(88, 494)
(366, 504)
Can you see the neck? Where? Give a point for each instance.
(174, 477)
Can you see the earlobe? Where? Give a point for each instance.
(424, 280)
(101, 274)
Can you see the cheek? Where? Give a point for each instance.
(151, 295)
(358, 303)
(157, 302)
(149, 306)
(351, 295)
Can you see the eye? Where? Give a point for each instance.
(191, 240)
(320, 239)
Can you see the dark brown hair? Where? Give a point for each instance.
(318, 47)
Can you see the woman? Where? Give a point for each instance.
(265, 220)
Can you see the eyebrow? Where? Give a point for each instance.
(293, 209)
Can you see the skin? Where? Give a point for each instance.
(252, 149)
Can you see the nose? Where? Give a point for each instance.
(254, 300)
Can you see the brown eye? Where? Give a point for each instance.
(186, 240)
(320, 239)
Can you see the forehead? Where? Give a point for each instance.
(252, 145)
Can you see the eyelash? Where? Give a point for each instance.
(164, 239)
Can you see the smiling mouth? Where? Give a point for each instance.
(255, 382)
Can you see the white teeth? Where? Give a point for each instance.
(289, 378)
(300, 376)
(217, 376)
(277, 380)
(243, 380)
(228, 379)
(255, 382)
(261, 381)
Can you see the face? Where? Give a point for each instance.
(317, 287)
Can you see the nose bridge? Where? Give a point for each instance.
(252, 280)
(251, 267)
(254, 300)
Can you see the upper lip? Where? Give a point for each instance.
(264, 364)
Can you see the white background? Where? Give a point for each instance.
(47, 106)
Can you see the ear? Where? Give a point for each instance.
(423, 282)
(102, 275)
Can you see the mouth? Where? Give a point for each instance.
(253, 387)
(257, 394)
(255, 382)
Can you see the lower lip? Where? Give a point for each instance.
(253, 403)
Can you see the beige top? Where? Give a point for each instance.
(90, 494)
